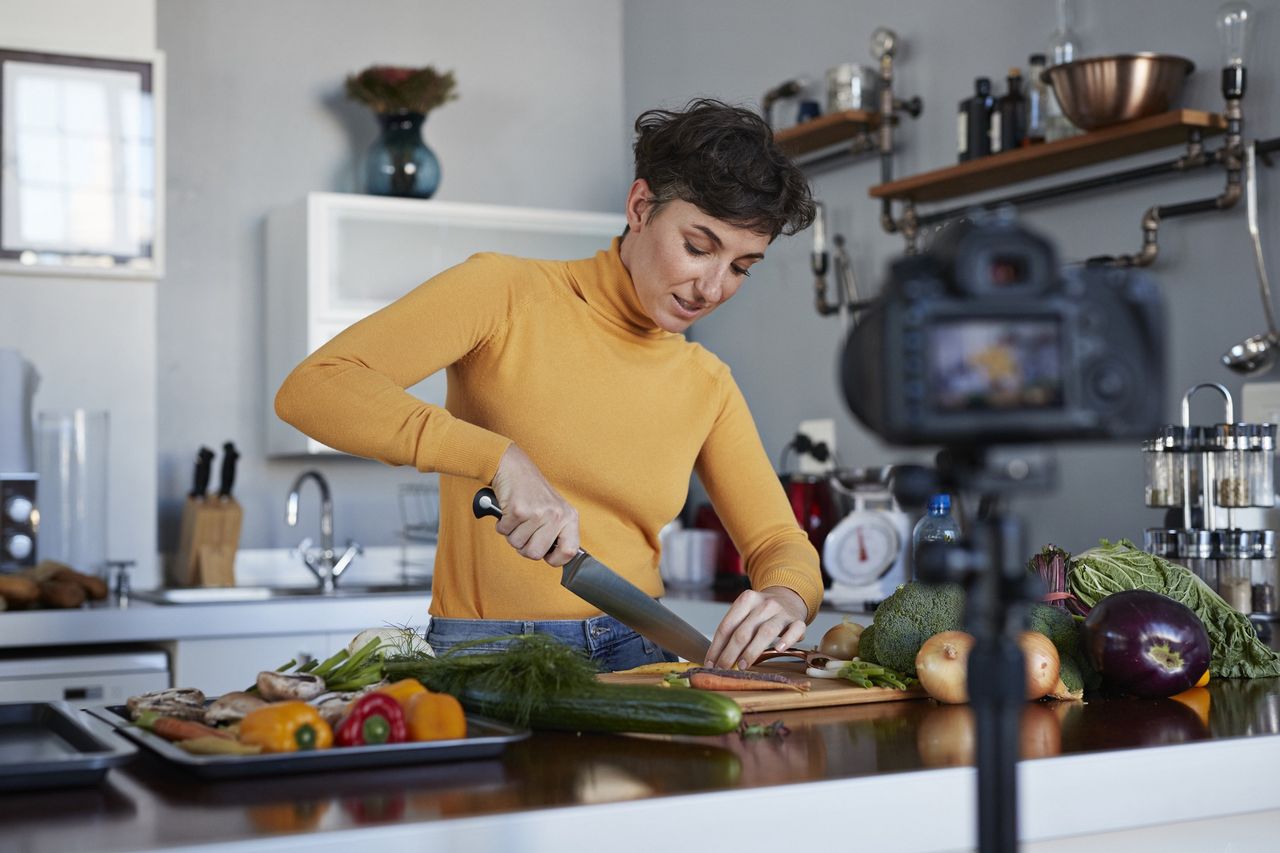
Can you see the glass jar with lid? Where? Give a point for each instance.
(1198, 550)
(1262, 544)
(1167, 457)
(1231, 470)
(1260, 463)
(1235, 569)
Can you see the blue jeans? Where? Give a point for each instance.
(610, 644)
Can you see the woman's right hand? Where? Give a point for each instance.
(537, 522)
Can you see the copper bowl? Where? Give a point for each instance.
(1106, 90)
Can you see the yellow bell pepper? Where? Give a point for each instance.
(403, 691)
(286, 727)
(436, 716)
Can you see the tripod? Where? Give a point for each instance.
(999, 590)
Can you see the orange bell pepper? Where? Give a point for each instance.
(436, 716)
(403, 691)
(286, 727)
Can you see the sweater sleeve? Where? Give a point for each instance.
(750, 501)
(350, 393)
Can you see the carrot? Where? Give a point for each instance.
(172, 728)
(733, 679)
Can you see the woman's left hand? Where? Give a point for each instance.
(754, 621)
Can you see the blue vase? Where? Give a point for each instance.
(399, 161)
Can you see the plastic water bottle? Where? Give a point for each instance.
(936, 525)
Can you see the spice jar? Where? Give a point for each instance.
(1164, 474)
(1263, 545)
(1260, 463)
(1161, 541)
(1231, 469)
(1198, 550)
(1235, 570)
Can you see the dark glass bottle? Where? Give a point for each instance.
(1038, 96)
(1009, 121)
(974, 120)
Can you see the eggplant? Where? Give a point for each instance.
(1146, 644)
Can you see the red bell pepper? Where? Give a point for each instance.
(373, 718)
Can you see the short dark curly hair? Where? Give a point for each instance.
(723, 160)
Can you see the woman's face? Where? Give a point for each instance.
(684, 263)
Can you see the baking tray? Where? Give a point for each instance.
(49, 745)
(485, 738)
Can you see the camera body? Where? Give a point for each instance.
(983, 340)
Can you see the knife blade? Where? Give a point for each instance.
(204, 462)
(227, 477)
(602, 587)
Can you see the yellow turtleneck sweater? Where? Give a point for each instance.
(560, 358)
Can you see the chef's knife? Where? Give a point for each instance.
(602, 587)
(228, 476)
(204, 462)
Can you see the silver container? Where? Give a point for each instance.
(851, 86)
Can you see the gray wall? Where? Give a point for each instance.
(257, 119)
(93, 340)
(783, 353)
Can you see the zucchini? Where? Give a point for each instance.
(618, 708)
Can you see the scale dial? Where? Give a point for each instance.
(861, 548)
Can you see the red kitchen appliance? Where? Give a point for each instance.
(814, 504)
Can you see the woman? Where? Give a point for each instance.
(573, 392)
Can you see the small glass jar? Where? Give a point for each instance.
(1262, 543)
(1161, 541)
(1197, 550)
(1164, 473)
(1235, 570)
(1231, 470)
(1261, 464)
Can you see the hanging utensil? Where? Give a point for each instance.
(1259, 351)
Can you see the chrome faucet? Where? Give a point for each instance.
(323, 561)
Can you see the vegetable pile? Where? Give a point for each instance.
(1235, 650)
(915, 612)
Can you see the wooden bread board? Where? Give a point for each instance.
(822, 693)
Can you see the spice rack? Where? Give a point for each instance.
(1216, 470)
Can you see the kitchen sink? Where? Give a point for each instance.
(248, 594)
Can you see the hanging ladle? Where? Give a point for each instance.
(1258, 352)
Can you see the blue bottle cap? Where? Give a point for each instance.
(940, 504)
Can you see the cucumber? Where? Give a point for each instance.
(619, 708)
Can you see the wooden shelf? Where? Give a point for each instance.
(1037, 161)
(826, 130)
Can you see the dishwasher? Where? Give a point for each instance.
(107, 678)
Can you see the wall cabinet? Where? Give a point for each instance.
(334, 258)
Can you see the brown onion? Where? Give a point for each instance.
(942, 666)
(841, 641)
(1041, 663)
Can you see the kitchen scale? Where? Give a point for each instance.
(866, 554)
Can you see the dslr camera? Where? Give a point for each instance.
(983, 340)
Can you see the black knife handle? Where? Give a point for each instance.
(204, 462)
(486, 503)
(228, 474)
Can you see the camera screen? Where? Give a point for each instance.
(990, 364)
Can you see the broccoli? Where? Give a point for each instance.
(1063, 631)
(913, 614)
(867, 645)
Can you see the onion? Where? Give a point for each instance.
(841, 641)
(1041, 663)
(942, 664)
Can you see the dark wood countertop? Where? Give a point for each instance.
(150, 805)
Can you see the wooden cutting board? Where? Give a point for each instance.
(822, 693)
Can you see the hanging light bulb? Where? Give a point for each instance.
(1235, 21)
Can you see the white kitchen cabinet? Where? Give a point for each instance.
(334, 258)
(223, 664)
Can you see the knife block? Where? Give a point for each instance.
(208, 542)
